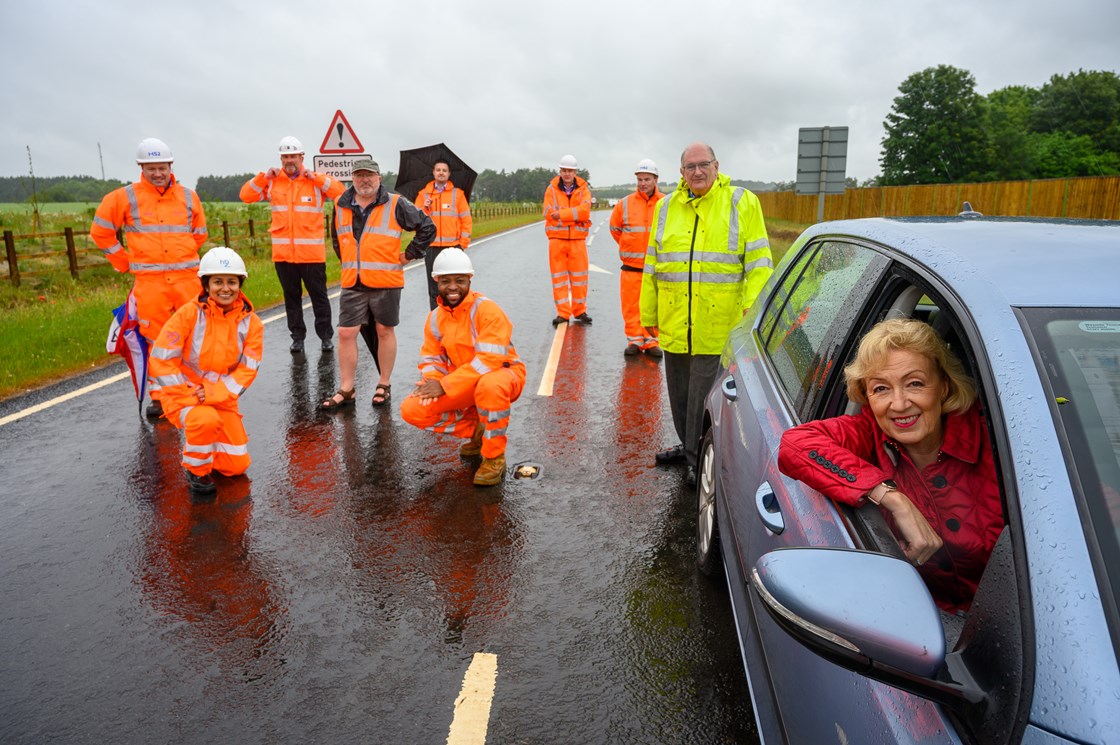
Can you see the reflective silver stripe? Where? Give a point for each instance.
(183, 414)
(482, 346)
(649, 269)
(163, 267)
(756, 245)
(465, 235)
(187, 194)
(383, 228)
(200, 231)
(133, 204)
(326, 185)
(434, 326)
(625, 213)
(345, 229)
(496, 432)
(163, 353)
(279, 207)
(115, 248)
(635, 229)
(197, 336)
(559, 275)
(372, 266)
(480, 367)
(717, 257)
(251, 363)
(433, 368)
(494, 416)
(733, 223)
(166, 380)
(308, 241)
(758, 264)
(257, 189)
(678, 256)
(198, 461)
(630, 255)
(230, 449)
(157, 228)
(232, 385)
(198, 448)
(101, 222)
(581, 228)
(712, 277)
(308, 208)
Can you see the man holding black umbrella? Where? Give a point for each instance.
(449, 210)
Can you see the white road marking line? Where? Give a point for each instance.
(60, 399)
(472, 708)
(601, 270)
(125, 375)
(549, 377)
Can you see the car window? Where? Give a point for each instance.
(777, 304)
(819, 314)
(1079, 356)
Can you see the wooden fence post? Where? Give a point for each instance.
(71, 254)
(225, 233)
(252, 237)
(13, 262)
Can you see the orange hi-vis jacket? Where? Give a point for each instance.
(463, 343)
(630, 223)
(164, 231)
(202, 346)
(575, 210)
(297, 213)
(375, 257)
(450, 213)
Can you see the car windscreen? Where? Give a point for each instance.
(1079, 354)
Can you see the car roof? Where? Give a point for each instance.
(1030, 262)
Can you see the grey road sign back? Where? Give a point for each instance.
(822, 159)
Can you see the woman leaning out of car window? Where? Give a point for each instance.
(918, 449)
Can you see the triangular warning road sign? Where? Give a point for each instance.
(340, 137)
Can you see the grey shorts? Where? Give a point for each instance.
(369, 305)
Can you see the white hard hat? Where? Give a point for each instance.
(569, 161)
(645, 165)
(291, 145)
(151, 150)
(222, 260)
(452, 261)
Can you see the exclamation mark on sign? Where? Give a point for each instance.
(339, 128)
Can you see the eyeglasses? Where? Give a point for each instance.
(701, 166)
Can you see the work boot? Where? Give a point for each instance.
(473, 446)
(654, 352)
(690, 476)
(296, 347)
(674, 454)
(584, 318)
(328, 345)
(631, 350)
(491, 472)
(154, 410)
(201, 486)
(558, 320)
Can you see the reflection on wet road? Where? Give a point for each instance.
(341, 591)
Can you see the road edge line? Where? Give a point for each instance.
(472, 707)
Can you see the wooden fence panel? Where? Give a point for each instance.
(1047, 197)
(1093, 197)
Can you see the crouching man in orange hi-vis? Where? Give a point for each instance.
(204, 359)
(470, 369)
(567, 213)
(165, 226)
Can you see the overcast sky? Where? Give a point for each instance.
(505, 85)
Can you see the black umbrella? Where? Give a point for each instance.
(416, 170)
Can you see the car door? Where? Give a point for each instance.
(795, 354)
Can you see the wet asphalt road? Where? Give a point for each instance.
(340, 592)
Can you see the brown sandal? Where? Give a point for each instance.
(381, 395)
(331, 404)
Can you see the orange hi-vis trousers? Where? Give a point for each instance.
(630, 294)
(568, 261)
(457, 415)
(159, 295)
(215, 440)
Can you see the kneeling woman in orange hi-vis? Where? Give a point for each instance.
(470, 369)
(204, 359)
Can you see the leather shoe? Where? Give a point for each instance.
(674, 454)
(558, 320)
(584, 318)
(201, 486)
(654, 352)
(690, 476)
(296, 347)
(154, 410)
(631, 350)
(328, 345)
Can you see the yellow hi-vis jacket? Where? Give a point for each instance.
(707, 259)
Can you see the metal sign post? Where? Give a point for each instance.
(822, 159)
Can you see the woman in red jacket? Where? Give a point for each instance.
(918, 449)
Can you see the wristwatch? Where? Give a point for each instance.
(880, 491)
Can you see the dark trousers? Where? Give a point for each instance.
(293, 277)
(689, 377)
(429, 261)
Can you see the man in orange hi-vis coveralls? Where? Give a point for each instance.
(165, 227)
(296, 195)
(567, 213)
(204, 359)
(447, 205)
(630, 223)
(471, 373)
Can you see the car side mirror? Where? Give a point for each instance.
(866, 612)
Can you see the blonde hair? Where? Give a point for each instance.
(909, 335)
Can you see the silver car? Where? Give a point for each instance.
(840, 639)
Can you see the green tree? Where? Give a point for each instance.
(935, 130)
(1081, 103)
(1060, 154)
(1009, 113)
